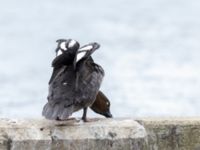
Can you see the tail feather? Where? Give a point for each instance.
(47, 111)
(66, 113)
(56, 111)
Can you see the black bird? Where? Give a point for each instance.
(75, 85)
(102, 103)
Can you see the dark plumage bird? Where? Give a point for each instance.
(75, 85)
(101, 104)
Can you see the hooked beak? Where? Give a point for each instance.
(108, 114)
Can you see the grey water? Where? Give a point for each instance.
(150, 51)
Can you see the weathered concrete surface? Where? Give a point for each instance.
(172, 133)
(104, 134)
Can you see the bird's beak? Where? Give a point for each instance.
(108, 114)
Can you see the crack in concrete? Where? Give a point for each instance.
(9, 144)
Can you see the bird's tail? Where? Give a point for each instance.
(56, 111)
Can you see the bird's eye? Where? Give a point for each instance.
(107, 103)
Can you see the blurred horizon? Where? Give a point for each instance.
(150, 52)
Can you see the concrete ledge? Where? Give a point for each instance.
(172, 133)
(73, 135)
(102, 134)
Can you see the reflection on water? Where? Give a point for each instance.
(149, 50)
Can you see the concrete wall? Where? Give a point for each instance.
(101, 134)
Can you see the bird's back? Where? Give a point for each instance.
(90, 76)
(73, 90)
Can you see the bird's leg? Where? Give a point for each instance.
(84, 117)
(58, 119)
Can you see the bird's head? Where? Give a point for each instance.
(102, 105)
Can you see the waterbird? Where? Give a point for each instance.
(75, 85)
(68, 48)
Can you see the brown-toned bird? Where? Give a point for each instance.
(101, 105)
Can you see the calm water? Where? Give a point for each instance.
(150, 51)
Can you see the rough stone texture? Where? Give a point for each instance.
(172, 133)
(108, 134)
(102, 134)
